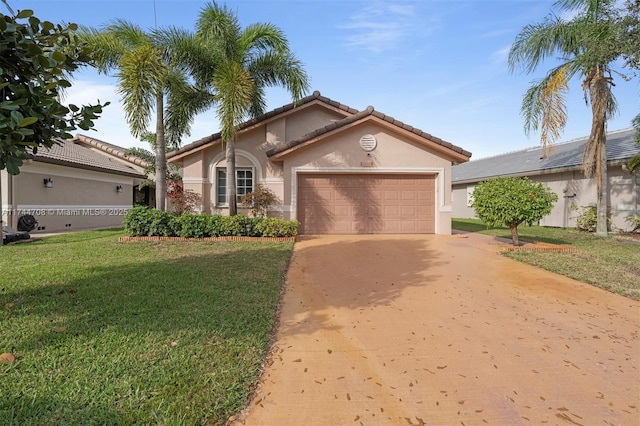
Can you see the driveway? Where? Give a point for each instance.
(437, 330)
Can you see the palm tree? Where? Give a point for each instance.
(634, 164)
(145, 77)
(587, 46)
(231, 67)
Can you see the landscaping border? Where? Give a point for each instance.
(212, 239)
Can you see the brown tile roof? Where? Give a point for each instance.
(70, 152)
(216, 136)
(369, 111)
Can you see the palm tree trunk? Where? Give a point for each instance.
(231, 177)
(599, 94)
(161, 159)
(601, 204)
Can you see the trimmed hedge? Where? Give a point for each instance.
(142, 221)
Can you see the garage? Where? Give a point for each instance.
(372, 203)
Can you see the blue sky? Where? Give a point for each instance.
(438, 65)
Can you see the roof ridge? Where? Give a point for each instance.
(316, 95)
(109, 148)
(370, 110)
(562, 143)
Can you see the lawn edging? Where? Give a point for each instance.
(213, 239)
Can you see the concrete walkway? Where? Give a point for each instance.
(437, 330)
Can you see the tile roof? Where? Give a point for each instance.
(70, 152)
(216, 136)
(114, 150)
(354, 115)
(369, 111)
(621, 146)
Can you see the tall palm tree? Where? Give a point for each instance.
(634, 164)
(587, 46)
(231, 67)
(145, 77)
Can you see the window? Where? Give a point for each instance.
(470, 189)
(244, 184)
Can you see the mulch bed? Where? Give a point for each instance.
(213, 239)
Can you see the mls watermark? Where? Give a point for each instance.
(67, 212)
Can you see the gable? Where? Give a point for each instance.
(384, 122)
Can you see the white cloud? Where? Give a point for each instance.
(380, 27)
(112, 126)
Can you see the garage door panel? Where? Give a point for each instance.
(354, 204)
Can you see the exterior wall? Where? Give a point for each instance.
(199, 168)
(574, 192)
(5, 196)
(79, 199)
(342, 153)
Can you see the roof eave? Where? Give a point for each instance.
(86, 167)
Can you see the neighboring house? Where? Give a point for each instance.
(336, 169)
(82, 183)
(562, 172)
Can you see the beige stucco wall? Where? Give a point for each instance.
(396, 152)
(574, 191)
(79, 199)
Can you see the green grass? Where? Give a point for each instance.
(134, 333)
(611, 263)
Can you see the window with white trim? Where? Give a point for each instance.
(244, 183)
(470, 189)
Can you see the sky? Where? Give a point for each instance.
(437, 65)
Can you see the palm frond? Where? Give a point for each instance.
(263, 38)
(184, 102)
(634, 164)
(544, 106)
(141, 73)
(281, 69)
(235, 89)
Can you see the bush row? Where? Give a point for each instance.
(141, 221)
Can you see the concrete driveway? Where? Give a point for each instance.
(436, 330)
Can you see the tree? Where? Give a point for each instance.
(37, 56)
(634, 164)
(587, 44)
(231, 68)
(510, 201)
(149, 157)
(629, 36)
(145, 77)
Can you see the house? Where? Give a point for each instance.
(335, 169)
(562, 172)
(81, 183)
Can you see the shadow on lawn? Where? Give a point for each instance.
(223, 300)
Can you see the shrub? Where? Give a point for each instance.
(143, 221)
(274, 227)
(137, 221)
(194, 226)
(511, 201)
(182, 200)
(587, 219)
(634, 222)
(259, 201)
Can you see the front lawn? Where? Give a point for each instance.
(611, 263)
(134, 333)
